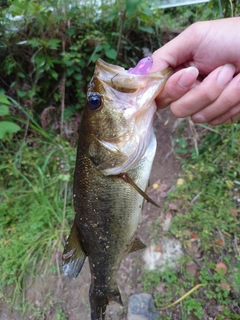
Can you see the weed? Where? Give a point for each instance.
(35, 206)
(208, 227)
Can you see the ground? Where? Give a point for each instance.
(54, 296)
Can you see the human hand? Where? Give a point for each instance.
(210, 48)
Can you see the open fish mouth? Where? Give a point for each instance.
(131, 96)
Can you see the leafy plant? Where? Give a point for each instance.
(35, 206)
(6, 127)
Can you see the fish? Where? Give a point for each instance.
(116, 148)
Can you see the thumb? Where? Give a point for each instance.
(175, 52)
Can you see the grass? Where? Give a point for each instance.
(35, 205)
(208, 225)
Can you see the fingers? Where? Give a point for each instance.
(224, 107)
(197, 101)
(230, 116)
(176, 86)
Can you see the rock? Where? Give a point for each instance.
(141, 307)
(114, 311)
(169, 256)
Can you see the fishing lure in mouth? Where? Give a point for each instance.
(143, 67)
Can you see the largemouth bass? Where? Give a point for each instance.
(115, 153)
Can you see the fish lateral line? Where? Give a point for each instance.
(127, 179)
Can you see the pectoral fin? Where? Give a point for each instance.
(126, 178)
(73, 256)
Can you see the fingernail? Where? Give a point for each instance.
(226, 74)
(188, 77)
(198, 118)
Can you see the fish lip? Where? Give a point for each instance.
(109, 67)
(113, 68)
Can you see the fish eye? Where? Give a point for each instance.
(94, 101)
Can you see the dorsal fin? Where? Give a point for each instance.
(126, 178)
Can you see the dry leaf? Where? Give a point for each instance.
(225, 286)
(221, 268)
(219, 242)
(167, 221)
(155, 186)
(180, 181)
(158, 249)
(192, 268)
(163, 187)
(234, 212)
(193, 236)
(160, 287)
(173, 206)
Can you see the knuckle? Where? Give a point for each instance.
(227, 100)
(209, 95)
(177, 112)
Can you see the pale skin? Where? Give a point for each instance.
(206, 82)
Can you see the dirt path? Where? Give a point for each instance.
(56, 297)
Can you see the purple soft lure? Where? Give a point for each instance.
(143, 67)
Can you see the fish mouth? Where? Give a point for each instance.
(131, 96)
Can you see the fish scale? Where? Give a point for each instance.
(110, 179)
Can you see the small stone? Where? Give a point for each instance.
(171, 252)
(141, 307)
(114, 311)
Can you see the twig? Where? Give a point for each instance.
(62, 91)
(196, 197)
(235, 245)
(194, 134)
(184, 296)
(221, 236)
(122, 18)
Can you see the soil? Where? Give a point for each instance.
(57, 297)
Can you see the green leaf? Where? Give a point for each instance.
(53, 44)
(146, 29)
(3, 98)
(70, 32)
(3, 110)
(21, 93)
(21, 75)
(111, 54)
(131, 6)
(54, 74)
(77, 76)
(8, 127)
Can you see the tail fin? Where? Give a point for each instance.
(100, 299)
(73, 255)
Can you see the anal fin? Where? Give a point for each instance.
(73, 256)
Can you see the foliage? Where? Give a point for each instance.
(47, 54)
(6, 127)
(35, 205)
(207, 224)
(48, 48)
